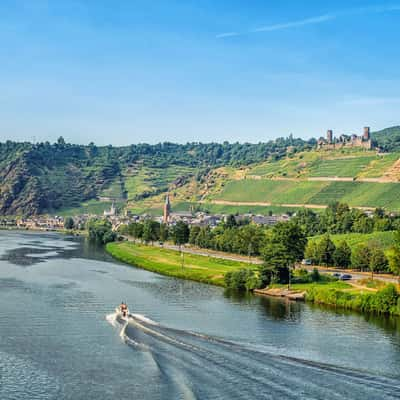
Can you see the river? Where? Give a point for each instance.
(59, 338)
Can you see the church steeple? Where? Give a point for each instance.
(167, 209)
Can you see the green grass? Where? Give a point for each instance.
(278, 192)
(345, 167)
(384, 301)
(228, 209)
(307, 286)
(115, 190)
(146, 179)
(90, 207)
(360, 194)
(379, 166)
(353, 239)
(169, 262)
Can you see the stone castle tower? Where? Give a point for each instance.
(167, 209)
(367, 134)
(329, 136)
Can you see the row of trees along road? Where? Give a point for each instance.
(280, 246)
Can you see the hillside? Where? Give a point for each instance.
(276, 176)
(313, 179)
(61, 177)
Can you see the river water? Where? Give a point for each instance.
(59, 338)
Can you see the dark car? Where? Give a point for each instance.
(345, 277)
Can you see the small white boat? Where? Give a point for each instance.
(122, 311)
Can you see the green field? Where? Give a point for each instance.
(90, 207)
(361, 194)
(169, 262)
(356, 194)
(344, 167)
(379, 166)
(146, 179)
(278, 192)
(340, 163)
(354, 239)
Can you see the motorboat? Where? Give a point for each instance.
(122, 311)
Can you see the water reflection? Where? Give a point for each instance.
(30, 251)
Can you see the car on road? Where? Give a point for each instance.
(306, 261)
(345, 277)
(336, 275)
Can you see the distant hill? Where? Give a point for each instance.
(388, 139)
(285, 173)
(44, 177)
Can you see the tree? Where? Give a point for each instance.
(363, 224)
(311, 251)
(230, 221)
(100, 231)
(394, 255)
(151, 231)
(378, 261)
(204, 238)
(308, 220)
(360, 257)
(342, 255)
(69, 223)
(164, 232)
(325, 250)
(276, 264)
(194, 232)
(136, 230)
(180, 233)
(284, 246)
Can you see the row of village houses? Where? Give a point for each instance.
(198, 219)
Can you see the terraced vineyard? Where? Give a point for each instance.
(358, 194)
(263, 190)
(343, 167)
(386, 239)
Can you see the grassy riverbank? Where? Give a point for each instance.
(342, 295)
(169, 262)
(211, 270)
(383, 301)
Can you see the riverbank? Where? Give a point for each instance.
(341, 295)
(211, 270)
(168, 262)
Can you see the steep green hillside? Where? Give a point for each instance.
(388, 139)
(44, 177)
(358, 194)
(66, 178)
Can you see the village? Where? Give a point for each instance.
(124, 217)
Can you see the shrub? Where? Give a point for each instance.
(385, 301)
(242, 280)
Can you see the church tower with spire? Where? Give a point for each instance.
(167, 209)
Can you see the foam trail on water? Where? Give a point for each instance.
(112, 319)
(194, 365)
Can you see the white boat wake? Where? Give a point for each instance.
(203, 362)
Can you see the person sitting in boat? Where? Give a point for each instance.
(124, 308)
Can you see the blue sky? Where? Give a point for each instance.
(120, 72)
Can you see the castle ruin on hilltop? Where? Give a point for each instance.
(331, 142)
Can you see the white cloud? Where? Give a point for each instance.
(315, 20)
(226, 34)
(293, 24)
